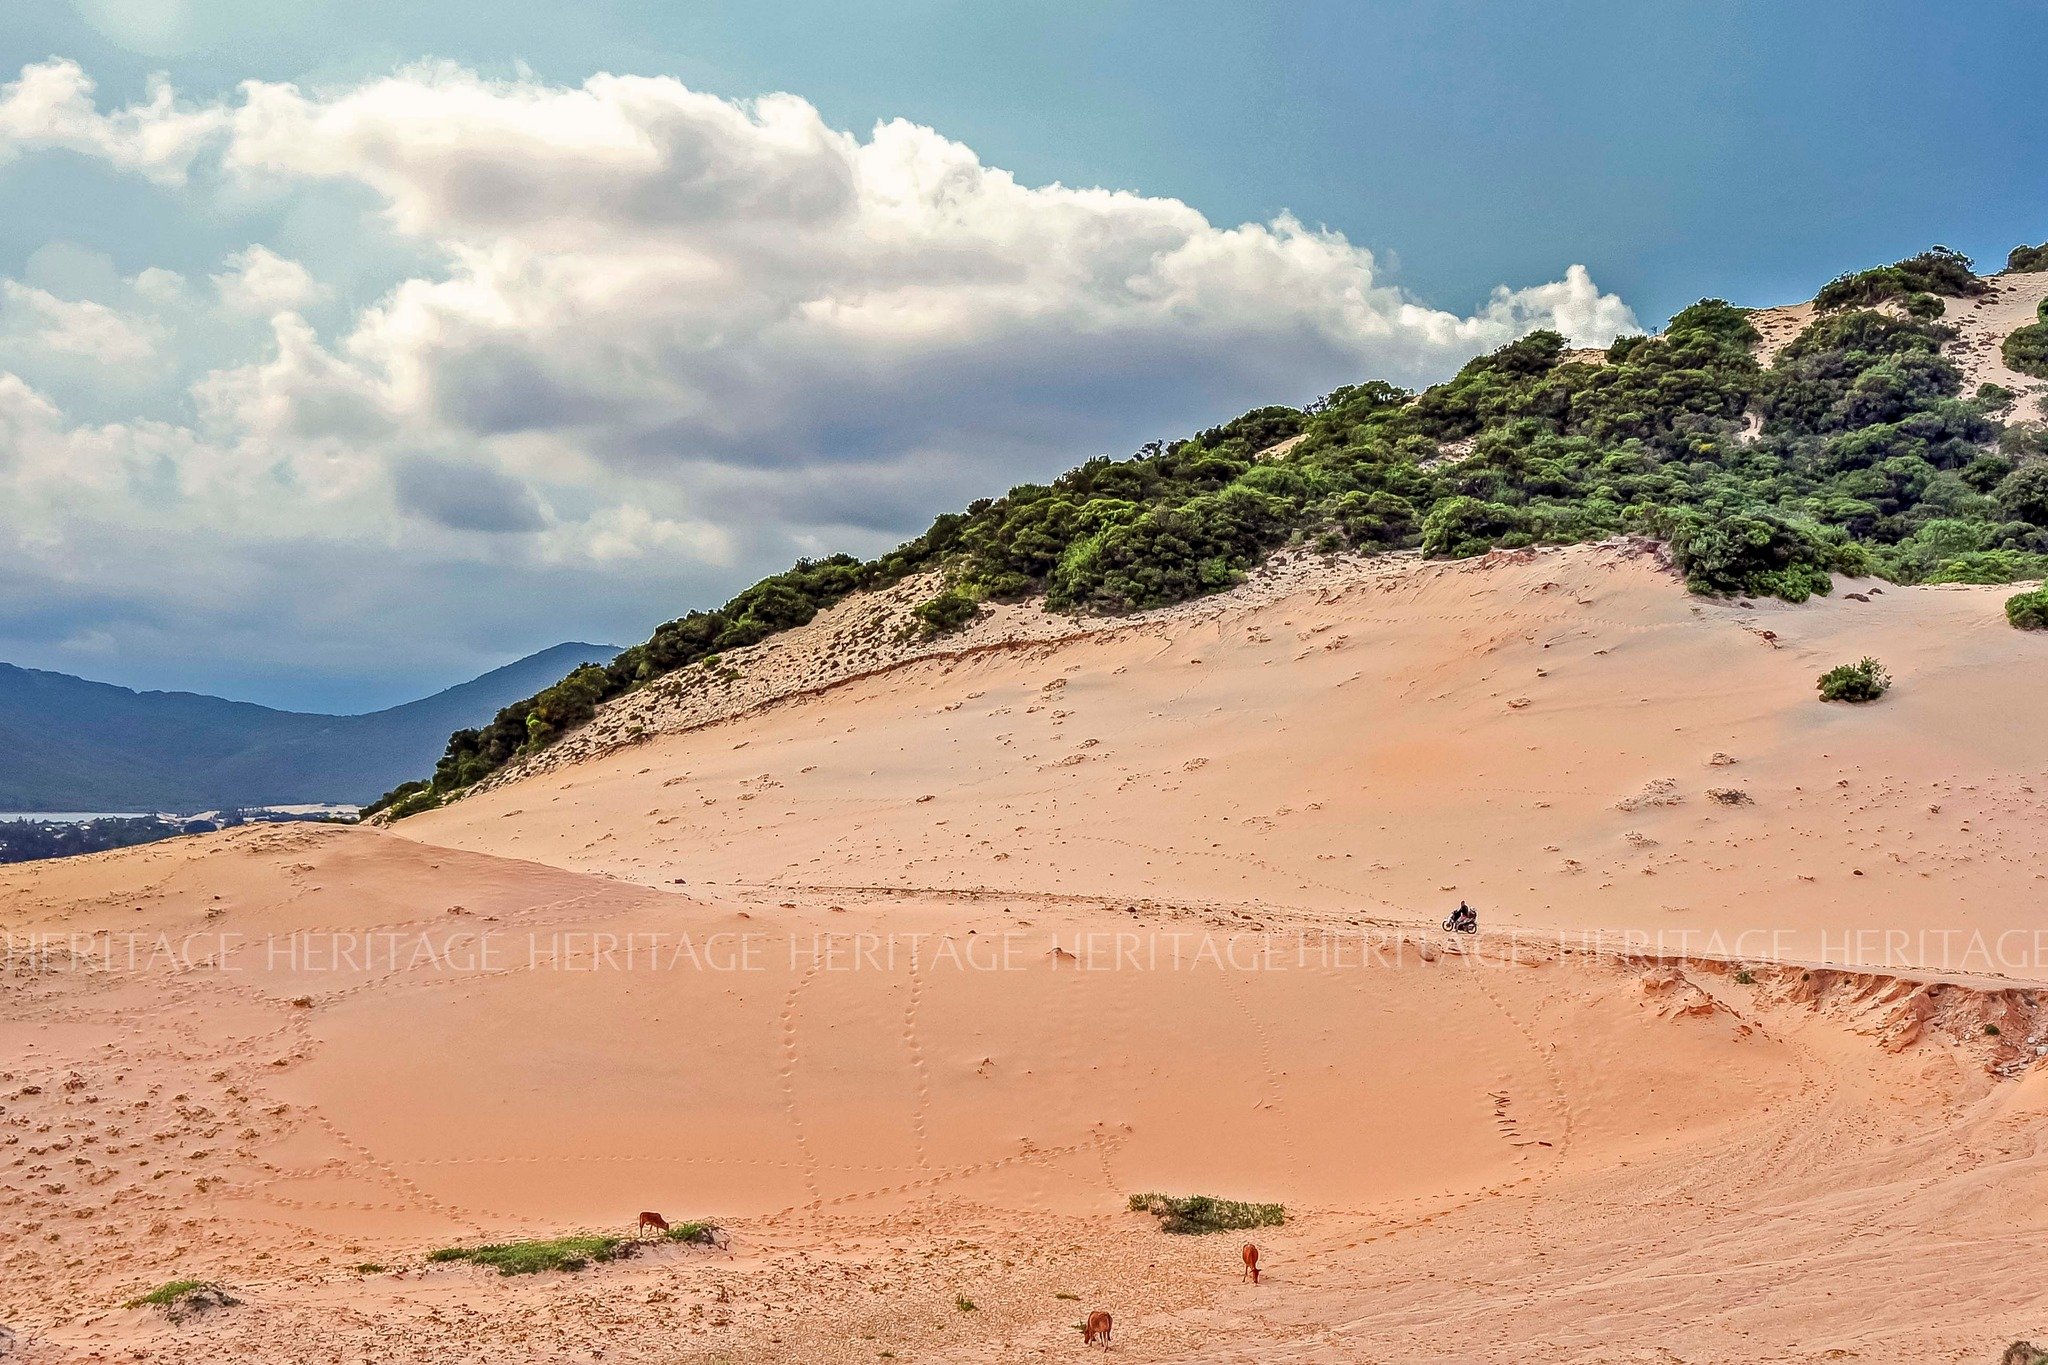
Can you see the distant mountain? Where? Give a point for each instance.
(70, 744)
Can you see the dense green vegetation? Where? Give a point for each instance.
(2028, 610)
(2026, 259)
(2026, 350)
(531, 1258)
(1915, 281)
(1864, 680)
(1855, 451)
(1198, 1213)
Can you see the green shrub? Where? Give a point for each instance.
(2023, 494)
(703, 1233)
(1461, 527)
(1937, 270)
(947, 612)
(2028, 610)
(1197, 1213)
(2026, 348)
(181, 1299)
(1749, 555)
(2025, 259)
(1864, 680)
(531, 1258)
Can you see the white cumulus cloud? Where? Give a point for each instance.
(678, 338)
(258, 280)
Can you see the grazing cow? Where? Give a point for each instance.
(1251, 1263)
(1097, 1326)
(651, 1220)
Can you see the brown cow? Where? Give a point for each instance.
(1251, 1263)
(1097, 1326)
(651, 1220)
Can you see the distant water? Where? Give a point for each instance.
(79, 817)
(74, 817)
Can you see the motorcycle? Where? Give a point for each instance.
(1455, 925)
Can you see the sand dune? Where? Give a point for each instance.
(1541, 732)
(912, 975)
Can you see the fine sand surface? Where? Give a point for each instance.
(910, 978)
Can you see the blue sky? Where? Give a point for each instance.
(490, 461)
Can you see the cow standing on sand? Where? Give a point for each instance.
(1097, 1326)
(652, 1220)
(1251, 1263)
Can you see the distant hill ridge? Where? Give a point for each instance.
(73, 744)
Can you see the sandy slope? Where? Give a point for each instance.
(912, 977)
(1537, 732)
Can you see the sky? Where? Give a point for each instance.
(350, 349)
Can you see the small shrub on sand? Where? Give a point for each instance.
(1194, 1213)
(2023, 1353)
(530, 1258)
(1745, 977)
(703, 1234)
(181, 1299)
(2028, 610)
(964, 1304)
(947, 612)
(1864, 680)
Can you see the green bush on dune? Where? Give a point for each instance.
(1854, 451)
(531, 1258)
(1198, 1213)
(182, 1299)
(1864, 680)
(2026, 349)
(2028, 610)
(1937, 270)
(2024, 259)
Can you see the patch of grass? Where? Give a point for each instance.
(1064, 1295)
(1197, 1213)
(1864, 680)
(964, 1304)
(370, 1268)
(704, 1234)
(181, 1299)
(531, 1258)
(164, 1295)
(1745, 977)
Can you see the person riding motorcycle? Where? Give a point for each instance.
(1463, 920)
